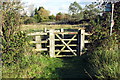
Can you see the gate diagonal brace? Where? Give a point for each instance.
(66, 45)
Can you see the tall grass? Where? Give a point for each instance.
(34, 66)
(105, 60)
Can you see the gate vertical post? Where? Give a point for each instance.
(52, 43)
(81, 39)
(62, 30)
(45, 29)
(38, 42)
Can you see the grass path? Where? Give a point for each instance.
(38, 66)
(73, 68)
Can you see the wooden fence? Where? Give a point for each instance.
(60, 43)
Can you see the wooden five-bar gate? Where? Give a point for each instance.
(60, 43)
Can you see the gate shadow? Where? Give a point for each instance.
(74, 67)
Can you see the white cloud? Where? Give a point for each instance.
(64, 7)
(55, 6)
(81, 0)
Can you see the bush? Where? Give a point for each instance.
(105, 59)
(104, 50)
(15, 49)
(29, 20)
(104, 53)
(34, 66)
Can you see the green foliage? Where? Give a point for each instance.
(17, 63)
(59, 16)
(29, 20)
(76, 12)
(117, 17)
(13, 40)
(52, 17)
(34, 66)
(10, 23)
(36, 11)
(13, 51)
(37, 18)
(105, 59)
(104, 49)
(41, 15)
(74, 8)
(99, 27)
(91, 11)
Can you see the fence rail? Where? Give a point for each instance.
(59, 43)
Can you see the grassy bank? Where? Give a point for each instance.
(34, 66)
(39, 66)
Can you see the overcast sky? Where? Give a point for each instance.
(55, 6)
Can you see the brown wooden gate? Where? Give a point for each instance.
(61, 44)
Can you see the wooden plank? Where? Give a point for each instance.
(64, 50)
(38, 41)
(66, 39)
(78, 49)
(52, 43)
(87, 34)
(86, 41)
(62, 30)
(66, 44)
(43, 41)
(81, 43)
(65, 55)
(32, 42)
(56, 30)
(42, 49)
(45, 29)
(36, 34)
(80, 28)
(66, 32)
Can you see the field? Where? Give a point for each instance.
(41, 27)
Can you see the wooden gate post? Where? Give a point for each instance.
(81, 39)
(45, 29)
(52, 43)
(38, 42)
(62, 30)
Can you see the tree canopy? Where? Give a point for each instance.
(75, 8)
(41, 14)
